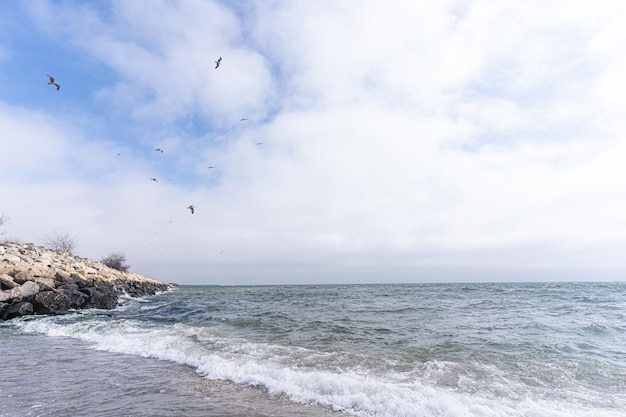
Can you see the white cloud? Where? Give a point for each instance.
(425, 135)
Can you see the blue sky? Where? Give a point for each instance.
(411, 141)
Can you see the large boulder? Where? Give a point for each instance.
(23, 308)
(29, 289)
(52, 302)
(103, 296)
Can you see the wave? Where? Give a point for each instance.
(332, 379)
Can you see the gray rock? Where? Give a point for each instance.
(103, 297)
(23, 308)
(77, 298)
(51, 302)
(14, 295)
(7, 282)
(22, 276)
(29, 289)
(45, 284)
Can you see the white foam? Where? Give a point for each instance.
(278, 370)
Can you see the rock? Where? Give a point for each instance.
(29, 289)
(24, 292)
(15, 294)
(7, 257)
(52, 302)
(7, 282)
(22, 276)
(45, 284)
(61, 278)
(103, 297)
(23, 308)
(45, 259)
(77, 298)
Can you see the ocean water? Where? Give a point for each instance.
(436, 350)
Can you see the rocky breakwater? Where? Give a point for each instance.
(35, 280)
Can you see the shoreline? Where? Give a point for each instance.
(38, 281)
(85, 380)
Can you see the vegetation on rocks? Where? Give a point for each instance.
(3, 220)
(62, 241)
(117, 261)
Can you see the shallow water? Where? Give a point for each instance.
(43, 376)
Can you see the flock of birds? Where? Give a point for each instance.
(191, 207)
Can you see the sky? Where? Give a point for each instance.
(338, 141)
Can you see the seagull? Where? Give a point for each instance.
(192, 208)
(52, 82)
(158, 150)
(154, 179)
(217, 63)
(259, 143)
(243, 120)
(211, 167)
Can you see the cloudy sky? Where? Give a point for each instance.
(384, 141)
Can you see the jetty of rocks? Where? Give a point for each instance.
(35, 280)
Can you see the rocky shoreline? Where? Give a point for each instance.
(35, 280)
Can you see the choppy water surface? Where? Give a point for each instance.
(366, 350)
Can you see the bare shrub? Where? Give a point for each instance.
(11, 239)
(61, 241)
(116, 260)
(3, 220)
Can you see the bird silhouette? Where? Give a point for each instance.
(54, 83)
(154, 179)
(192, 208)
(218, 62)
(158, 150)
(243, 120)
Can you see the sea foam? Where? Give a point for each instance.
(279, 371)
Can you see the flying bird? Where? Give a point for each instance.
(154, 179)
(158, 150)
(211, 167)
(243, 120)
(259, 143)
(218, 62)
(54, 83)
(192, 208)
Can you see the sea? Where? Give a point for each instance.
(389, 350)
